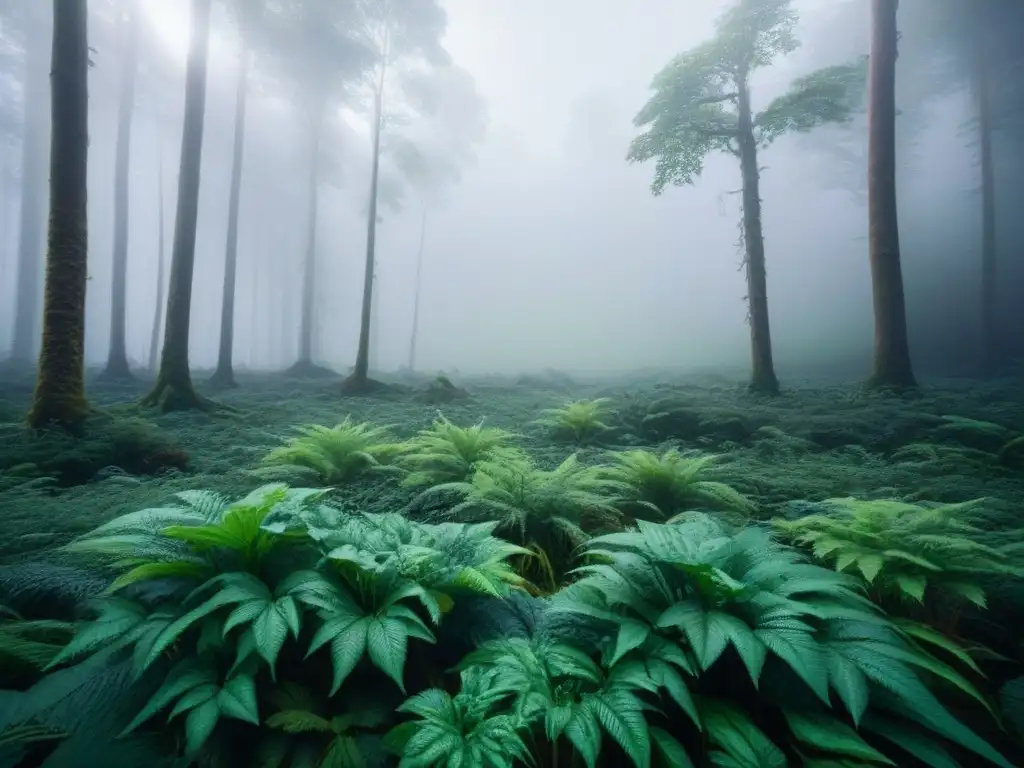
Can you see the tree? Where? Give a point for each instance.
(60, 383)
(224, 376)
(891, 367)
(414, 334)
(316, 47)
(173, 389)
(702, 104)
(117, 357)
(33, 24)
(158, 303)
(401, 34)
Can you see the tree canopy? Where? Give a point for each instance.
(693, 110)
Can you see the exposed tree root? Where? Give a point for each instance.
(223, 378)
(176, 394)
(355, 386)
(764, 384)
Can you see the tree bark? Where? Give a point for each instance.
(416, 300)
(158, 304)
(892, 368)
(989, 262)
(60, 384)
(762, 376)
(224, 376)
(360, 378)
(173, 389)
(117, 356)
(33, 193)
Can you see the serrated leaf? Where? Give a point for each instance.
(386, 644)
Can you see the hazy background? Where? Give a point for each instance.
(550, 251)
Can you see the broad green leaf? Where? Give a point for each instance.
(386, 643)
(829, 735)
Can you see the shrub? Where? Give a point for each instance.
(335, 455)
(446, 453)
(579, 421)
(671, 483)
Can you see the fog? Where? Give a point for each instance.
(543, 247)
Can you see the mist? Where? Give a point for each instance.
(543, 247)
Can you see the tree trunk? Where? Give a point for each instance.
(360, 378)
(224, 376)
(762, 376)
(154, 339)
(892, 368)
(60, 383)
(416, 299)
(33, 194)
(989, 266)
(173, 389)
(308, 309)
(117, 356)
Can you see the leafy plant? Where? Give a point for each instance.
(671, 483)
(336, 455)
(208, 594)
(547, 512)
(579, 421)
(799, 633)
(906, 551)
(446, 453)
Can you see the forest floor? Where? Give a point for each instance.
(813, 443)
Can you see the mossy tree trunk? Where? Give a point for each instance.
(224, 376)
(60, 389)
(33, 186)
(158, 304)
(762, 375)
(891, 367)
(173, 389)
(117, 356)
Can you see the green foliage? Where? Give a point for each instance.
(690, 593)
(27, 647)
(694, 109)
(446, 453)
(269, 592)
(671, 483)
(336, 455)
(578, 421)
(548, 512)
(905, 551)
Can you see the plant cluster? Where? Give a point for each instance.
(279, 631)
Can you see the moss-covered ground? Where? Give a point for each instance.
(946, 444)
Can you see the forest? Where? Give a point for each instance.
(399, 383)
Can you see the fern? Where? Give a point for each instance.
(546, 511)
(446, 453)
(579, 421)
(336, 455)
(666, 485)
(904, 550)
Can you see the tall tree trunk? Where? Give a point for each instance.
(33, 190)
(305, 364)
(173, 389)
(360, 379)
(60, 383)
(416, 297)
(762, 376)
(224, 376)
(158, 304)
(989, 264)
(892, 367)
(117, 357)
(374, 362)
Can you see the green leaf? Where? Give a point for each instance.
(829, 735)
(669, 751)
(632, 635)
(732, 730)
(870, 565)
(386, 643)
(237, 699)
(199, 726)
(912, 585)
(347, 649)
(298, 721)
